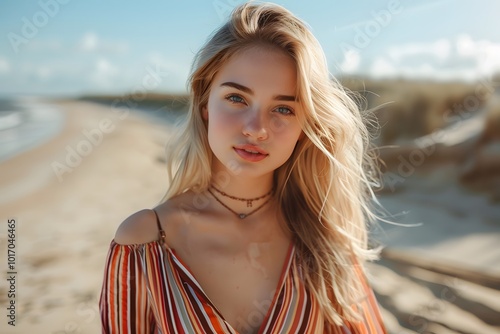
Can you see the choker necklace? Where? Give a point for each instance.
(241, 215)
(248, 200)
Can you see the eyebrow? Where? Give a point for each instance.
(250, 91)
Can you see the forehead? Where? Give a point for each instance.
(261, 68)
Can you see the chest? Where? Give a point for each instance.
(238, 268)
(242, 286)
(183, 307)
(241, 277)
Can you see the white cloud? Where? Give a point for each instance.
(460, 58)
(440, 49)
(44, 72)
(486, 54)
(465, 46)
(4, 65)
(90, 42)
(105, 67)
(352, 60)
(382, 68)
(104, 73)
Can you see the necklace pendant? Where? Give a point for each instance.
(249, 203)
(242, 216)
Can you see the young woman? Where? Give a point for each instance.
(262, 229)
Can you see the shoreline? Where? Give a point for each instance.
(30, 122)
(18, 175)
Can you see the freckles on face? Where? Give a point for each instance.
(253, 102)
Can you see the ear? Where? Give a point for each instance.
(204, 113)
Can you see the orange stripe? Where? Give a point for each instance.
(124, 297)
(112, 290)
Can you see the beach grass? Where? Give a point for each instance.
(406, 109)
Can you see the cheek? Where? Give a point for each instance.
(220, 120)
(221, 123)
(278, 125)
(285, 127)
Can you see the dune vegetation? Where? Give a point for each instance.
(406, 109)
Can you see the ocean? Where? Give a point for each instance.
(26, 123)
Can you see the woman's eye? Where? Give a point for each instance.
(284, 110)
(235, 98)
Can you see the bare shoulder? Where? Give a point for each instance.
(138, 228)
(142, 227)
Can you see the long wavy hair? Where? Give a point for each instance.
(325, 187)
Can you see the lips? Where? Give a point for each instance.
(250, 153)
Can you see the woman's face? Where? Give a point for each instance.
(251, 112)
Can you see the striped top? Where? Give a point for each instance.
(147, 288)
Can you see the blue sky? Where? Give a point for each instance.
(71, 47)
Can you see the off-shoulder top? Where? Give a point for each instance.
(147, 288)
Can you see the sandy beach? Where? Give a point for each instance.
(63, 228)
(442, 277)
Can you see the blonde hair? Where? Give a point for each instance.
(324, 189)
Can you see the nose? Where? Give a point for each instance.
(255, 125)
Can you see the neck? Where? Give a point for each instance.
(241, 196)
(243, 188)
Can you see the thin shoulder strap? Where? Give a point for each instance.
(161, 233)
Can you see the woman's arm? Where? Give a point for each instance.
(123, 302)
